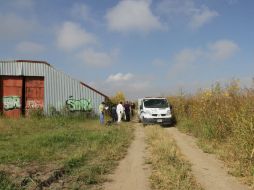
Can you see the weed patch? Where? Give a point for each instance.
(5, 182)
(169, 169)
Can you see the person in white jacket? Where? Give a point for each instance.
(119, 111)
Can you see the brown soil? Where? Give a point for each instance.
(132, 173)
(33, 176)
(207, 169)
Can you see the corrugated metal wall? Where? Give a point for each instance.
(57, 85)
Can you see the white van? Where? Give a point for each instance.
(154, 110)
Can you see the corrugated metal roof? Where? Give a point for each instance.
(19, 71)
(31, 61)
(94, 89)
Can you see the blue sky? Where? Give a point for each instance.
(140, 47)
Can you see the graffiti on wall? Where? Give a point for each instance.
(11, 102)
(34, 104)
(78, 105)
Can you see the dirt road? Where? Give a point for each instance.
(132, 173)
(208, 170)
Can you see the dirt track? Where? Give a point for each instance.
(132, 173)
(208, 170)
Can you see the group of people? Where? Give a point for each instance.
(118, 113)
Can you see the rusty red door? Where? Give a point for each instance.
(34, 93)
(1, 95)
(11, 96)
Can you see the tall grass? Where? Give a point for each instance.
(223, 120)
(169, 169)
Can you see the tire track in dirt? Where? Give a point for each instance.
(208, 170)
(132, 172)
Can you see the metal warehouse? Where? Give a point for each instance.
(26, 85)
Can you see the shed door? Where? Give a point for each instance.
(34, 93)
(1, 95)
(11, 96)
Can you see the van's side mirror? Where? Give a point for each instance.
(141, 107)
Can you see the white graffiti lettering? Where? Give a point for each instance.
(11, 102)
(34, 104)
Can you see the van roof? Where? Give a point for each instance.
(154, 98)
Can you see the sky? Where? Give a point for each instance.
(139, 47)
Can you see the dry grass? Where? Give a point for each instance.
(223, 120)
(169, 169)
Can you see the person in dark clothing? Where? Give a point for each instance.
(127, 110)
(132, 109)
(113, 113)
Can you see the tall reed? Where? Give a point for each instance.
(222, 116)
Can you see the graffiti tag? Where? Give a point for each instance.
(34, 104)
(78, 105)
(11, 102)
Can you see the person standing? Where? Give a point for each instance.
(132, 109)
(101, 110)
(127, 110)
(119, 111)
(113, 113)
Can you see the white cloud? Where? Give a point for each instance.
(30, 48)
(72, 36)
(183, 61)
(222, 49)
(187, 59)
(119, 77)
(217, 51)
(98, 59)
(176, 7)
(158, 62)
(186, 56)
(186, 10)
(141, 87)
(82, 11)
(133, 86)
(132, 15)
(14, 27)
(202, 16)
